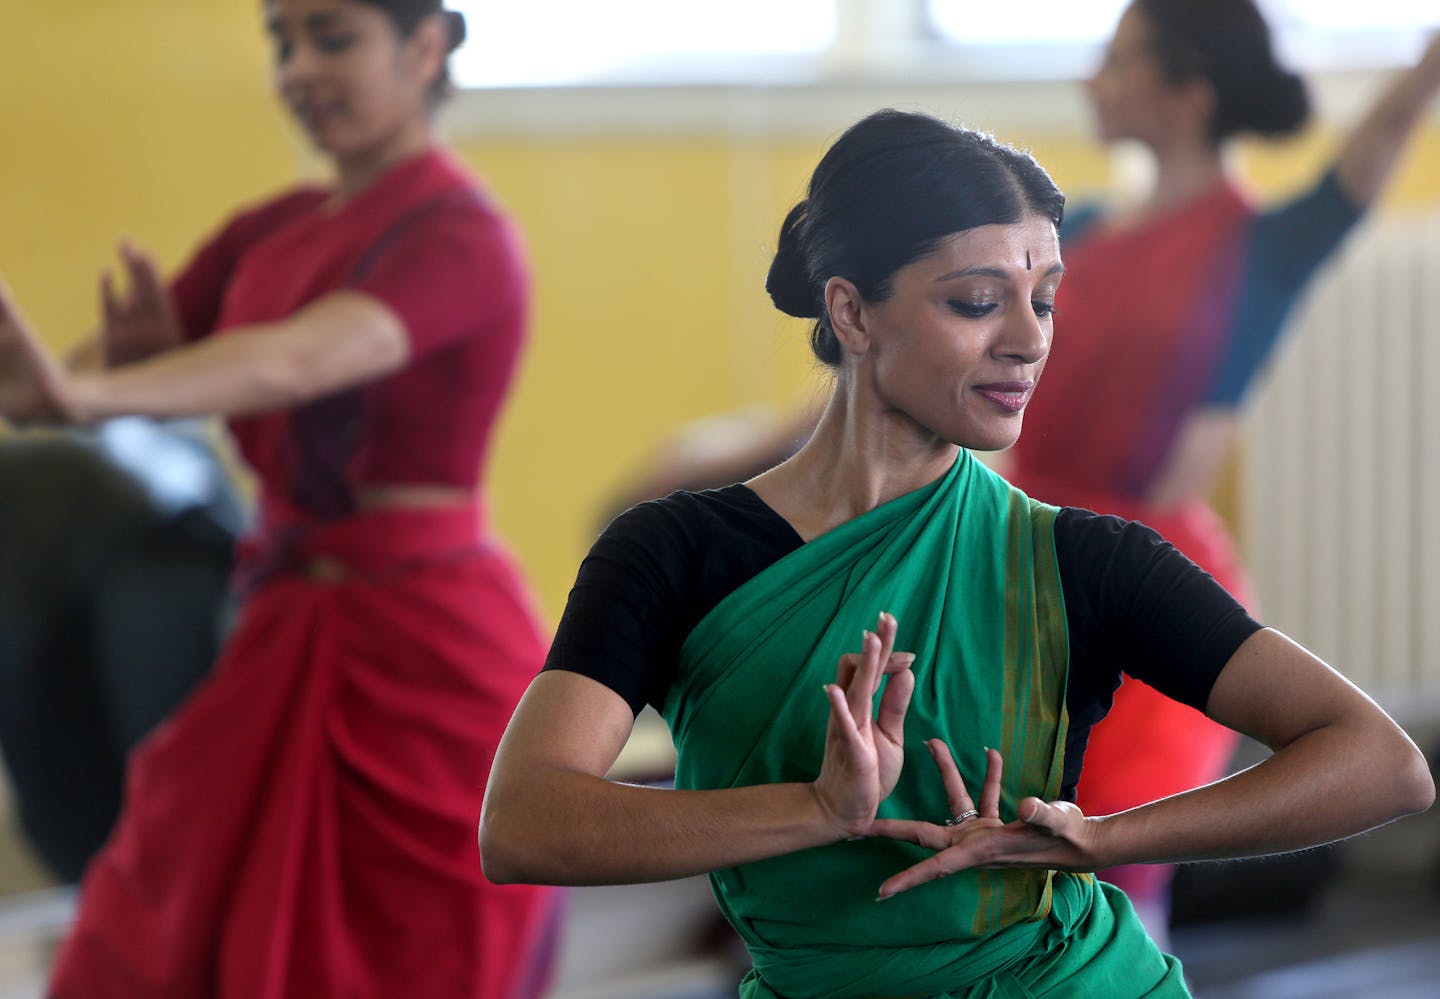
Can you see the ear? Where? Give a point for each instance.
(846, 310)
(1200, 100)
(429, 44)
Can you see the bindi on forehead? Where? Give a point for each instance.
(1029, 266)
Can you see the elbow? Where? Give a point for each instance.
(312, 370)
(1417, 784)
(1402, 781)
(507, 852)
(497, 855)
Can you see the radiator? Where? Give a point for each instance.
(1340, 468)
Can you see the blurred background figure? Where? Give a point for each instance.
(1169, 309)
(115, 554)
(305, 825)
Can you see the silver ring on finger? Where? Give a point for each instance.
(955, 820)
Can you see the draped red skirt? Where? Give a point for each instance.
(305, 825)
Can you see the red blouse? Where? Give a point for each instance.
(423, 240)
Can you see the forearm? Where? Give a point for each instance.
(342, 340)
(87, 355)
(1328, 784)
(574, 829)
(235, 374)
(1372, 150)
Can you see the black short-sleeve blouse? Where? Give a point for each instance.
(1133, 604)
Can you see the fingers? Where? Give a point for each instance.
(12, 324)
(862, 686)
(926, 834)
(842, 722)
(956, 793)
(1055, 818)
(895, 702)
(885, 628)
(110, 306)
(146, 286)
(990, 792)
(930, 869)
(875, 652)
(7, 309)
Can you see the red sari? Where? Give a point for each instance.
(305, 825)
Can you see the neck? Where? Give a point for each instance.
(357, 171)
(1186, 168)
(860, 457)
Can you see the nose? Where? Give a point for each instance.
(299, 66)
(1026, 337)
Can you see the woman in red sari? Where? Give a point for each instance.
(1168, 314)
(304, 825)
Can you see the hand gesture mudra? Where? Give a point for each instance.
(33, 386)
(864, 747)
(142, 321)
(1044, 835)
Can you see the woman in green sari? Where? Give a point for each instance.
(823, 775)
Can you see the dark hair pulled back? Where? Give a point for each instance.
(1227, 42)
(889, 190)
(407, 15)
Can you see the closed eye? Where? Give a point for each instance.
(971, 310)
(1045, 310)
(335, 44)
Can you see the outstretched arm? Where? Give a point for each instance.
(1372, 149)
(343, 339)
(552, 817)
(1340, 766)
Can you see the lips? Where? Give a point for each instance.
(1009, 396)
(315, 114)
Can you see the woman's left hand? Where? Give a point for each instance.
(1046, 835)
(33, 386)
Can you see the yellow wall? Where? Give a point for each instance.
(154, 119)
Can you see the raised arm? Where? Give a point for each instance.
(343, 339)
(552, 817)
(1372, 149)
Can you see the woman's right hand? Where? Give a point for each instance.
(864, 748)
(142, 322)
(34, 389)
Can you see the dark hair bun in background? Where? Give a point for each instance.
(455, 28)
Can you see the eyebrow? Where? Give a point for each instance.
(995, 272)
(314, 22)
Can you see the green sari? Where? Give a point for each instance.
(967, 566)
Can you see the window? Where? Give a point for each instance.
(1032, 23)
(657, 43)
(533, 43)
(1310, 34)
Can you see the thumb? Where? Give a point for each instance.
(1034, 812)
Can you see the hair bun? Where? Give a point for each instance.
(1286, 107)
(455, 28)
(789, 283)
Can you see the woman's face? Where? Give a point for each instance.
(346, 74)
(1130, 95)
(961, 341)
